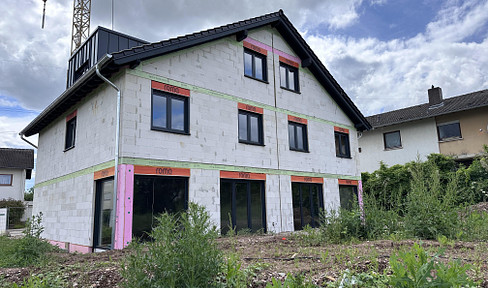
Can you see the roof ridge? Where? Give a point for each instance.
(179, 38)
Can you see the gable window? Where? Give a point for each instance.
(449, 131)
(170, 111)
(250, 125)
(342, 142)
(6, 179)
(255, 65)
(70, 131)
(289, 76)
(297, 134)
(392, 140)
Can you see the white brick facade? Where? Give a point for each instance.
(214, 74)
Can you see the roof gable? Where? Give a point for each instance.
(134, 56)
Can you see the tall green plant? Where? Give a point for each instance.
(430, 211)
(183, 254)
(416, 269)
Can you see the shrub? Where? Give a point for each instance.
(183, 253)
(415, 268)
(25, 251)
(430, 210)
(342, 225)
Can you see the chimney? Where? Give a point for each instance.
(435, 96)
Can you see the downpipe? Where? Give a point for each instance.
(116, 169)
(28, 142)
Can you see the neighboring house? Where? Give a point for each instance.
(454, 126)
(243, 119)
(15, 166)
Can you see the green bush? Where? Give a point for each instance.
(416, 269)
(183, 253)
(290, 282)
(431, 210)
(26, 251)
(342, 225)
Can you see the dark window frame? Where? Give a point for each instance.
(355, 196)
(304, 136)
(249, 115)
(449, 138)
(287, 77)
(11, 179)
(69, 142)
(392, 147)
(308, 186)
(253, 57)
(98, 213)
(347, 143)
(168, 128)
(233, 182)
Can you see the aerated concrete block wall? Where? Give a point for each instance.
(214, 74)
(64, 179)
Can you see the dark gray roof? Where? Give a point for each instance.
(450, 105)
(133, 56)
(16, 158)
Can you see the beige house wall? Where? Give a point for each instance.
(474, 133)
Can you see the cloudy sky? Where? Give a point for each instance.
(384, 53)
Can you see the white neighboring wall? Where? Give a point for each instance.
(16, 190)
(419, 139)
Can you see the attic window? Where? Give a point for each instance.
(70, 131)
(80, 71)
(289, 74)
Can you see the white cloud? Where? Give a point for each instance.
(9, 132)
(388, 75)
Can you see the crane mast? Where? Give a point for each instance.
(81, 23)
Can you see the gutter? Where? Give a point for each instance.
(117, 145)
(30, 143)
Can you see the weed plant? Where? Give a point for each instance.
(183, 253)
(416, 269)
(27, 251)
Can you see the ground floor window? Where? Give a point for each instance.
(307, 202)
(104, 190)
(348, 195)
(242, 205)
(154, 195)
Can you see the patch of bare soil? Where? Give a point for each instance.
(275, 255)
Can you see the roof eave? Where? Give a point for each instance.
(30, 129)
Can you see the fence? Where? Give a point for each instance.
(14, 217)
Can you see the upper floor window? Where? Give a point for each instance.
(342, 144)
(449, 131)
(255, 65)
(6, 179)
(170, 112)
(250, 127)
(392, 140)
(297, 133)
(70, 131)
(289, 77)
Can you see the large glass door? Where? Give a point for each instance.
(307, 202)
(154, 195)
(242, 205)
(102, 236)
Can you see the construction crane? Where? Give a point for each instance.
(43, 14)
(81, 23)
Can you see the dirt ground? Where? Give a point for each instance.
(271, 255)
